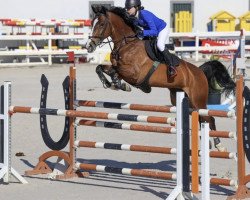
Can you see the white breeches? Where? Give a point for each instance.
(163, 37)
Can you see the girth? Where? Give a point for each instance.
(144, 85)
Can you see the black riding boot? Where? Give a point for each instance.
(171, 71)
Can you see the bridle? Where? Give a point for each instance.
(95, 43)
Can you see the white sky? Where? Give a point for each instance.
(46, 9)
(79, 9)
(43, 9)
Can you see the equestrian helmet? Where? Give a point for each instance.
(132, 3)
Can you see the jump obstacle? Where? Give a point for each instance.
(42, 167)
(73, 167)
(242, 148)
(70, 157)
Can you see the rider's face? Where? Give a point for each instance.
(131, 11)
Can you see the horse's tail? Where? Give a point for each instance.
(218, 77)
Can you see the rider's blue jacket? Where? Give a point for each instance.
(151, 24)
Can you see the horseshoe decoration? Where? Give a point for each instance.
(246, 123)
(60, 144)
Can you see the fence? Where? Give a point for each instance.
(99, 56)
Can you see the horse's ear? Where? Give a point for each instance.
(96, 9)
(104, 10)
(99, 9)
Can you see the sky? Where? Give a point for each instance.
(79, 9)
(43, 9)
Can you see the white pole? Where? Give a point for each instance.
(7, 170)
(205, 163)
(177, 193)
(242, 43)
(27, 48)
(179, 118)
(7, 136)
(197, 47)
(50, 49)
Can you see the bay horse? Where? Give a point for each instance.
(131, 62)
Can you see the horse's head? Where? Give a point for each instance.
(101, 28)
(114, 22)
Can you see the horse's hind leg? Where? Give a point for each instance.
(211, 121)
(173, 95)
(207, 119)
(198, 100)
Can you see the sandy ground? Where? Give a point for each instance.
(26, 138)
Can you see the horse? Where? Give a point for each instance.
(129, 59)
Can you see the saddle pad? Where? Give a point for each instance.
(156, 55)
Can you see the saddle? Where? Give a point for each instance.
(154, 53)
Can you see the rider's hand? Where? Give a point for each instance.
(140, 34)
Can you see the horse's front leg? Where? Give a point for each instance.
(116, 83)
(100, 69)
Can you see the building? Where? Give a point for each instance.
(200, 10)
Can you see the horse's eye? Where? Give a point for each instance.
(102, 24)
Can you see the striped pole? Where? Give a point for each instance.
(126, 106)
(126, 147)
(152, 149)
(217, 154)
(99, 115)
(223, 181)
(216, 113)
(222, 134)
(137, 127)
(126, 126)
(152, 108)
(126, 171)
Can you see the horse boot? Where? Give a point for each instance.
(116, 82)
(218, 145)
(171, 71)
(105, 82)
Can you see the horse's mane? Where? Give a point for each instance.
(121, 12)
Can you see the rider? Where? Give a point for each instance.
(153, 27)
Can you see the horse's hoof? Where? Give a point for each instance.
(126, 87)
(210, 144)
(113, 87)
(220, 148)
